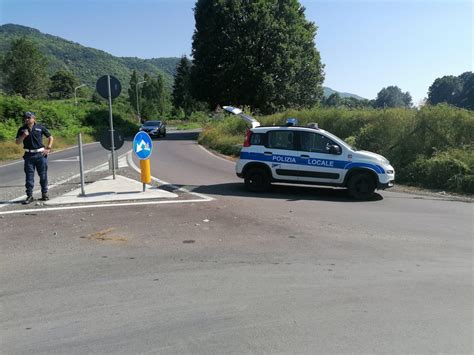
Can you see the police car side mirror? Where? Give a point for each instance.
(334, 149)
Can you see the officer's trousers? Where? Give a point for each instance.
(38, 162)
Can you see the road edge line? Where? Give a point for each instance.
(137, 169)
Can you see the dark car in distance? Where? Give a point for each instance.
(155, 129)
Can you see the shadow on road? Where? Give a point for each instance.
(281, 192)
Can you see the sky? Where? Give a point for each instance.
(365, 45)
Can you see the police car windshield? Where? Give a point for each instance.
(152, 123)
(337, 139)
(351, 146)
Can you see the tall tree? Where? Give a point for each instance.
(154, 100)
(62, 85)
(454, 90)
(392, 96)
(446, 89)
(182, 96)
(256, 53)
(24, 69)
(132, 90)
(466, 97)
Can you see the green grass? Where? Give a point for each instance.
(185, 126)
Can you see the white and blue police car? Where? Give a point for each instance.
(309, 155)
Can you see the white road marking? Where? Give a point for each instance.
(68, 160)
(137, 169)
(97, 206)
(215, 155)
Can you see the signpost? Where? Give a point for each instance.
(142, 147)
(109, 88)
(106, 142)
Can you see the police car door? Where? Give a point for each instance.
(318, 164)
(281, 154)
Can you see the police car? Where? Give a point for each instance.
(309, 155)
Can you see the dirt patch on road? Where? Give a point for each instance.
(105, 236)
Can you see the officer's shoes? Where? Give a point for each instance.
(44, 197)
(29, 199)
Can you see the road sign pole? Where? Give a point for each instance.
(145, 172)
(81, 163)
(111, 127)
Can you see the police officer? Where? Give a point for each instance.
(36, 154)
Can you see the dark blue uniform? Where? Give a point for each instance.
(33, 158)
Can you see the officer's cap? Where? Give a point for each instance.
(29, 114)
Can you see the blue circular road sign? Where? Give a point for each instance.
(142, 145)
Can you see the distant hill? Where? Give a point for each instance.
(328, 92)
(87, 64)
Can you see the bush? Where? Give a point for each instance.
(200, 117)
(438, 172)
(462, 183)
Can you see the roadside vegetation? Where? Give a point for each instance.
(63, 118)
(431, 147)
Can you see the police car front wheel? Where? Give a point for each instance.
(361, 186)
(257, 180)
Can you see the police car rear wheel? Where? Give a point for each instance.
(361, 186)
(257, 180)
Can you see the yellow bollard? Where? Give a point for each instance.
(145, 171)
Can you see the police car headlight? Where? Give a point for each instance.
(389, 171)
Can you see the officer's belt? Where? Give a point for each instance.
(34, 150)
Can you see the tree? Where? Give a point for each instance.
(24, 69)
(63, 83)
(154, 97)
(182, 96)
(392, 96)
(132, 90)
(466, 97)
(446, 89)
(334, 100)
(255, 53)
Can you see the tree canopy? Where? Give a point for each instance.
(392, 96)
(154, 100)
(63, 83)
(256, 53)
(24, 69)
(182, 96)
(454, 90)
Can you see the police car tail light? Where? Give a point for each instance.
(248, 134)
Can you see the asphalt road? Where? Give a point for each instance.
(297, 270)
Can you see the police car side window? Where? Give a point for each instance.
(315, 142)
(256, 139)
(281, 140)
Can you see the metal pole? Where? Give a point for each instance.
(111, 128)
(138, 108)
(75, 95)
(81, 163)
